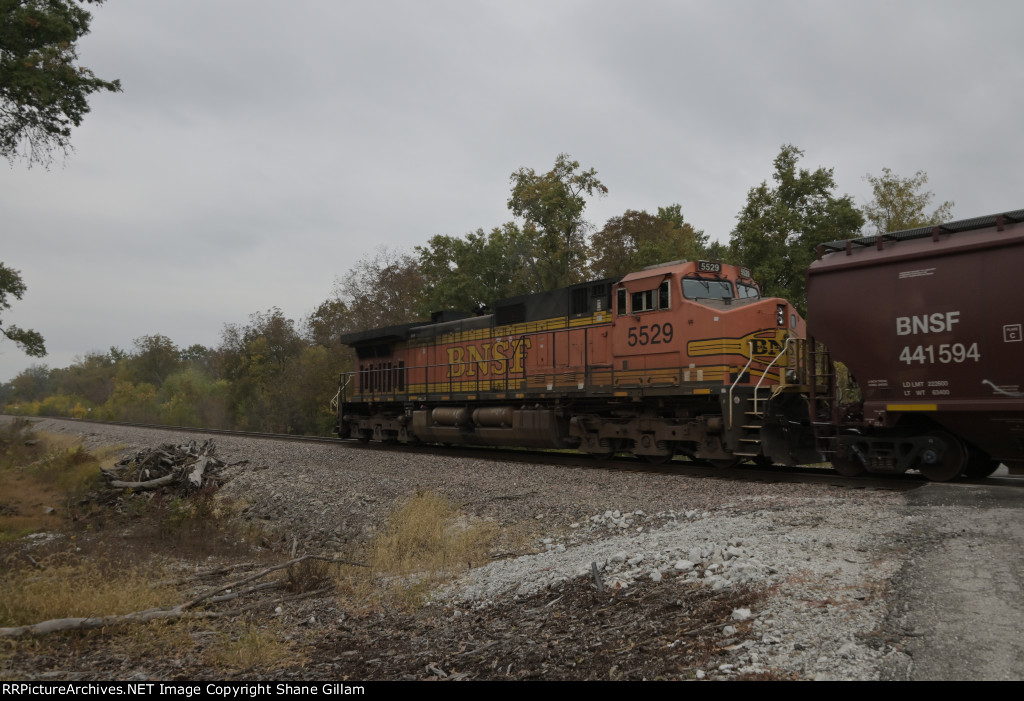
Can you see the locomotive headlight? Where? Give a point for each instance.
(780, 315)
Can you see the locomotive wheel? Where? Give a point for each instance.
(979, 465)
(946, 460)
(847, 467)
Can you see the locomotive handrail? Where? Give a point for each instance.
(336, 400)
(785, 348)
(764, 373)
(415, 380)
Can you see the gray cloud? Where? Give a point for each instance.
(259, 149)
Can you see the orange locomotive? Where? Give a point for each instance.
(677, 358)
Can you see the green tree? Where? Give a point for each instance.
(31, 384)
(131, 401)
(471, 273)
(31, 342)
(637, 239)
(899, 203)
(43, 92)
(256, 359)
(190, 397)
(156, 357)
(91, 378)
(780, 226)
(326, 324)
(551, 205)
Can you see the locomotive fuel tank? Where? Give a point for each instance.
(929, 322)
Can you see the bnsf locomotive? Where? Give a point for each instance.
(677, 358)
(688, 358)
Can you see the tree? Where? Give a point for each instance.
(256, 360)
(899, 204)
(471, 273)
(31, 384)
(552, 204)
(780, 226)
(326, 324)
(90, 377)
(155, 359)
(43, 92)
(31, 342)
(384, 289)
(638, 239)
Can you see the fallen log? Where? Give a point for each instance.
(148, 484)
(57, 625)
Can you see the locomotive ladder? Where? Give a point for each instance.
(753, 421)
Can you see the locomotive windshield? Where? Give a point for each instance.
(699, 288)
(744, 290)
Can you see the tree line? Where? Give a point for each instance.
(275, 374)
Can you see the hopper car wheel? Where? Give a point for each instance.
(725, 463)
(979, 465)
(658, 459)
(847, 467)
(946, 461)
(364, 436)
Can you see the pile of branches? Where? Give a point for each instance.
(189, 466)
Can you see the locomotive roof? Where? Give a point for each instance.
(398, 332)
(962, 225)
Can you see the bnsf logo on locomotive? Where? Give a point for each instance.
(765, 345)
(496, 358)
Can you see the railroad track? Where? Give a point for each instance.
(678, 466)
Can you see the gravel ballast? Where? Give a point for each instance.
(828, 560)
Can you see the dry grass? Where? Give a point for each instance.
(247, 646)
(426, 541)
(80, 572)
(428, 535)
(84, 589)
(42, 479)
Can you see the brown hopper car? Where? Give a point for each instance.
(929, 322)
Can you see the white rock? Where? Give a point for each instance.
(741, 614)
(848, 650)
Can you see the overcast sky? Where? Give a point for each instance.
(260, 148)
